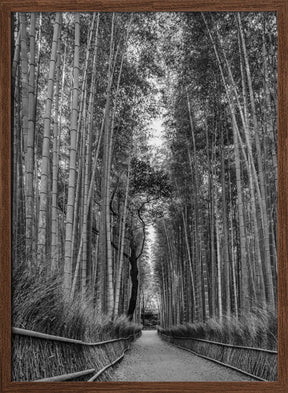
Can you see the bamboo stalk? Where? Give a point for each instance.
(108, 366)
(66, 377)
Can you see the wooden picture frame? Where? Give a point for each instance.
(9, 6)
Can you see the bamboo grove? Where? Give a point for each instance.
(216, 252)
(87, 184)
(82, 101)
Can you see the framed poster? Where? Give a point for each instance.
(143, 181)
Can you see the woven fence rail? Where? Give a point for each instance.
(257, 363)
(96, 371)
(83, 373)
(44, 336)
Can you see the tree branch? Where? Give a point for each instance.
(116, 248)
(113, 195)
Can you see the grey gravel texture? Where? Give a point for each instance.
(151, 359)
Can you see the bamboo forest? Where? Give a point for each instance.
(144, 189)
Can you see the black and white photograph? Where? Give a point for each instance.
(144, 196)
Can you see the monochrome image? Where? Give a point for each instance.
(144, 196)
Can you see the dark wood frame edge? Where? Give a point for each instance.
(9, 6)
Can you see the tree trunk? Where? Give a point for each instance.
(219, 270)
(29, 158)
(225, 231)
(134, 281)
(72, 166)
(24, 78)
(267, 257)
(105, 235)
(121, 248)
(55, 165)
(244, 268)
(43, 208)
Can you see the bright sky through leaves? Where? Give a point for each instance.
(156, 139)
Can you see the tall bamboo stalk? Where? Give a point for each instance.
(43, 194)
(72, 166)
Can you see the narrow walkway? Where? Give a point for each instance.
(151, 359)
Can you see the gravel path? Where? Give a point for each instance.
(151, 359)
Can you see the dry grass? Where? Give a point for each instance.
(257, 328)
(39, 305)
